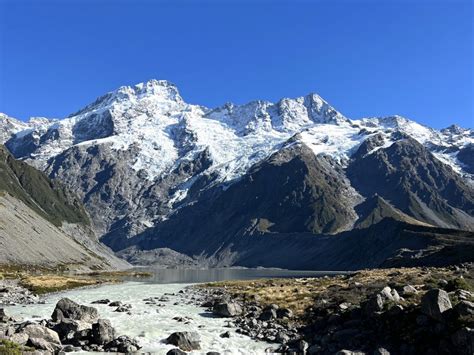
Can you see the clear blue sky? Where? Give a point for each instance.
(379, 57)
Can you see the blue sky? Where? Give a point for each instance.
(367, 58)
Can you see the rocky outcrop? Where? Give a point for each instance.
(186, 341)
(73, 327)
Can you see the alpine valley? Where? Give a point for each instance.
(293, 184)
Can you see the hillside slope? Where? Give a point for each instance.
(42, 224)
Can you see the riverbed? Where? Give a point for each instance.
(150, 324)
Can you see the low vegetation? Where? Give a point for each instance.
(301, 295)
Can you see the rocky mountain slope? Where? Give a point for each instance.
(42, 224)
(156, 172)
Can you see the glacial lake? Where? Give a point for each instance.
(151, 324)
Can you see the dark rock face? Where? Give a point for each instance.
(466, 156)
(122, 344)
(186, 341)
(68, 309)
(415, 182)
(102, 332)
(435, 302)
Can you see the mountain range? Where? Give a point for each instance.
(292, 184)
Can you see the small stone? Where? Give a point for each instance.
(409, 290)
(186, 341)
(225, 335)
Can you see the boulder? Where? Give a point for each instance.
(67, 328)
(465, 309)
(42, 344)
(463, 340)
(4, 317)
(227, 309)
(122, 344)
(176, 352)
(186, 341)
(68, 309)
(115, 304)
(381, 351)
(40, 337)
(225, 335)
(102, 332)
(387, 293)
(373, 305)
(284, 313)
(409, 290)
(435, 302)
(103, 301)
(268, 314)
(19, 338)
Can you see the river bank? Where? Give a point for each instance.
(408, 310)
(400, 311)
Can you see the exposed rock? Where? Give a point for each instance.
(284, 313)
(186, 341)
(103, 301)
(225, 335)
(115, 304)
(227, 309)
(381, 351)
(176, 352)
(373, 304)
(68, 309)
(463, 339)
(102, 332)
(123, 344)
(409, 290)
(435, 302)
(465, 309)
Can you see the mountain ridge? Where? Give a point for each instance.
(139, 155)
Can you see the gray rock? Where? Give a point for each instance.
(284, 313)
(464, 309)
(395, 295)
(67, 328)
(42, 344)
(123, 344)
(349, 352)
(463, 339)
(176, 352)
(225, 335)
(268, 314)
(387, 293)
(373, 305)
(409, 290)
(115, 304)
(102, 332)
(186, 341)
(19, 338)
(435, 302)
(227, 309)
(381, 351)
(4, 317)
(103, 301)
(68, 309)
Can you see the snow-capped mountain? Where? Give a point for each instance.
(139, 154)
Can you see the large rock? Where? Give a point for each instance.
(227, 309)
(102, 332)
(465, 309)
(463, 340)
(41, 337)
(186, 341)
(176, 352)
(4, 317)
(123, 344)
(67, 328)
(68, 309)
(435, 302)
(373, 304)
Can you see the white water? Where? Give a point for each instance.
(151, 324)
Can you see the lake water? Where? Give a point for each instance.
(150, 324)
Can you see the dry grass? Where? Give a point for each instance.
(53, 283)
(303, 294)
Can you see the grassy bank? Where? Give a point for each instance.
(42, 281)
(302, 295)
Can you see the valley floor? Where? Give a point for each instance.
(399, 311)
